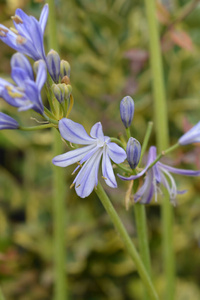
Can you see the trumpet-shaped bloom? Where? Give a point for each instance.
(97, 146)
(192, 136)
(158, 175)
(26, 93)
(6, 122)
(27, 37)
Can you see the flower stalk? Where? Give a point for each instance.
(161, 122)
(60, 291)
(127, 242)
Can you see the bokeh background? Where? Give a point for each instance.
(106, 44)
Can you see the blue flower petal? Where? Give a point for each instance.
(6, 122)
(179, 171)
(87, 178)
(192, 136)
(44, 17)
(34, 96)
(116, 153)
(97, 131)
(71, 157)
(74, 132)
(18, 60)
(41, 74)
(107, 170)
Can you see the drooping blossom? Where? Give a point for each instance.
(7, 122)
(26, 93)
(27, 36)
(97, 146)
(156, 176)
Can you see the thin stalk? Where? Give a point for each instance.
(1, 295)
(127, 242)
(141, 224)
(115, 140)
(146, 140)
(39, 127)
(60, 290)
(141, 220)
(162, 135)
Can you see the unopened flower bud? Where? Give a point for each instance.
(6, 122)
(62, 91)
(127, 110)
(133, 151)
(53, 65)
(64, 68)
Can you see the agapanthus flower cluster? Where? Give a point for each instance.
(25, 93)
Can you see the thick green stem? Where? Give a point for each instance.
(127, 242)
(161, 124)
(60, 292)
(141, 224)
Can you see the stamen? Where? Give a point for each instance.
(2, 34)
(71, 186)
(14, 30)
(78, 186)
(104, 178)
(40, 122)
(11, 93)
(17, 19)
(4, 29)
(20, 40)
(78, 163)
(71, 145)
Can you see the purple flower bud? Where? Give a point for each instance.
(53, 65)
(6, 122)
(133, 151)
(191, 136)
(62, 91)
(64, 68)
(127, 110)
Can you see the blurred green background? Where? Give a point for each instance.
(106, 44)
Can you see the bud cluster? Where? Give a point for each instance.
(57, 68)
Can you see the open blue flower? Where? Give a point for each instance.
(26, 94)
(191, 136)
(96, 146)
(27, 37)
(155, 176)
(6, 122)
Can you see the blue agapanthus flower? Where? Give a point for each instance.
(27, 37)
(6, 122)
(156, 176)
(97, 146)
(191, 136)
(26, 94)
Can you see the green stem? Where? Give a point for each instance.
(128, 132)
(60, 292)
(162, 135)
(146, 140)
(163, 153)
(115, 140)
(39, 127)
(127, 242)
(141, 224)
(1, 295)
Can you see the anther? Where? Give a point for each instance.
(71, 186)
(14, 30)
(20, 40)
(77, 186)
(11, 93)
(78, 163)
(104, 177)
(17, 19)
